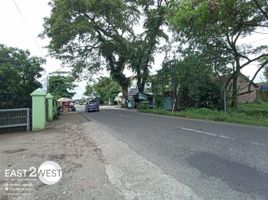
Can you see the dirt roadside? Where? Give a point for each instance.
(65, 142)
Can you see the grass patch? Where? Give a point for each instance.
(250, 114)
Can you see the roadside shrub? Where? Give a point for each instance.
(144, 105)
(215, 115)
(158, 102)
(200, 92)
(262, 96)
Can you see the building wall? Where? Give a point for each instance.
(246, 98)
(133, 85)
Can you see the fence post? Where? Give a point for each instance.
(49, 98)
(28, 119)
(38, 109)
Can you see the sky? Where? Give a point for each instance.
(21, 25)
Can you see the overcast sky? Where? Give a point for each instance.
(21, 30)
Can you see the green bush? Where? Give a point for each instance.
(159, 102)
(251, 114)
(144, 105)
(262, 96)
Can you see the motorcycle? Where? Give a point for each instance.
(72, 108)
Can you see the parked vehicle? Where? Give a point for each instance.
(72, 108)
(92, 106)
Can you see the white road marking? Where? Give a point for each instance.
(125, 116)
(198, 131)
(220, 136)
(223, 136)
(257, 143)
(206, 133)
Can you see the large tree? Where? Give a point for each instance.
(219, 26)
(90, 34)
(19, 72)
(144, 45)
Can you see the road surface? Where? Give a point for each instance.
(216, 160)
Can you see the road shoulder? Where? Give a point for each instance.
(67, 143)
(132, 174)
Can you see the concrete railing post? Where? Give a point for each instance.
(49, 98)
(38, 109)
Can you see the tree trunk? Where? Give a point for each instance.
(124, 96)
(141, 85)
(234, 92)
(236, 72)
(175, 98)
(175, 103)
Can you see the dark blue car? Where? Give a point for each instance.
(92, 106)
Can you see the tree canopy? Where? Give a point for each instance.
(145, 44)
(84, 32)
(218, 26)
(116, 35)
(196, 83)
(19, 71)
(89, 35)
(61, 86)
(104, 88)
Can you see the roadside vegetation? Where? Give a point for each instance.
(61, 84)
(19, 71)
(19, 75)
(251, 114)
(105, 88)
(205, 44)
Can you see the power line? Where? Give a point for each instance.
(27, 27)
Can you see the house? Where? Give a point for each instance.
(133, 86)
(242, 85)
(134, 96)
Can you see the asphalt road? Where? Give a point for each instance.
(215, 160)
